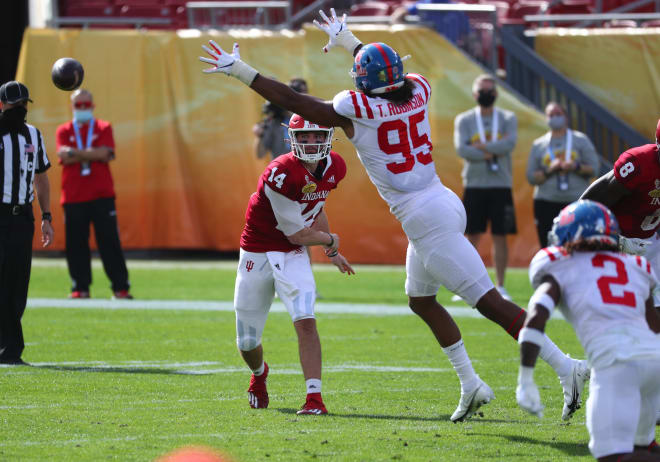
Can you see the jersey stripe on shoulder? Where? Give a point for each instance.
(365, 102)
(554, 253)
(358, 112)
(643, 263)
(422, 82)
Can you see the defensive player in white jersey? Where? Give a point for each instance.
(386, 119)
(283, 215)
(607, 297)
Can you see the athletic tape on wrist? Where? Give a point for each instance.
(531, 335)
(543, 299)
(243, 72)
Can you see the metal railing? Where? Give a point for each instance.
(218, 12)
(541, 83)
(86, 21)
(588, 19)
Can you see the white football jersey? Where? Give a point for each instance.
(603, 295)
(392, 141)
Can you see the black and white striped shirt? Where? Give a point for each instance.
(22, 155)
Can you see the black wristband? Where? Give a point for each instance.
(47, 216)
(332, 240)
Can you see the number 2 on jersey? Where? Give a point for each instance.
(621, 278)
(409, 139)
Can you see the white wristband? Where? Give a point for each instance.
(542, 299)
(531, 335)
(525, 374)
(347, 40)
(243, 72)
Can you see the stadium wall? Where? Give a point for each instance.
(185, 165)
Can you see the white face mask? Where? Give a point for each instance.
(82, 116)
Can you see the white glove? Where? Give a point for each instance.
(634, 245)
(226, 63)
(338, 32)
(527, 393)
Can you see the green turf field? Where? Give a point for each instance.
(133, 384)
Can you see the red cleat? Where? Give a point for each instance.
(122, 295)
(257, 393)
(79, 294)
(313, 406)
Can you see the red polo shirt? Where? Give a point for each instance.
(98, 184)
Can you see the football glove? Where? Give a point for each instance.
(527, 393)
(338, 32)
(633, 245)
(226, 63)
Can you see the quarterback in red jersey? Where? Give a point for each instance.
(285, 214)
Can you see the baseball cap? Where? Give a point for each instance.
(12, 92)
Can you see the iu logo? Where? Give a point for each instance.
(249, 265)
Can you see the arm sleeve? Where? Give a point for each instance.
(43, 163)
(508, 142)
(627, 170)
(287, 212)
(462, 139)
(106, 139)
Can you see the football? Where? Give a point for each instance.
(67, 74)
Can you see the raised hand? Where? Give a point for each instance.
(220, 59)
(337, 31)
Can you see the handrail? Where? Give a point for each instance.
(224, 5)
(317, 5)
(589, 17)
(87, 20)
(456, 7)
(536, 79)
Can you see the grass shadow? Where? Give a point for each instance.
(439, 418)
(572, 449)
(114, 369)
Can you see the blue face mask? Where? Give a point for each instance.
(557, 122)
(82, 116)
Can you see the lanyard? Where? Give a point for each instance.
(90, 133)
(569, 147)
(480, 126)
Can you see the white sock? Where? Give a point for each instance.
(313, 385)
(459, 358)
(551, 354)
(260, 370)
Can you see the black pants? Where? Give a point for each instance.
(544, 213)
(102, 214)
(16, 233)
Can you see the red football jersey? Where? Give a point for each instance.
(98, 184)
(638, 169)
(286, 175)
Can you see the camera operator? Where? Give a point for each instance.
(271, 135)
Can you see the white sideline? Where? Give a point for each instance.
(201, 305)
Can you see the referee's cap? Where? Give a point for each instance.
(13, 92)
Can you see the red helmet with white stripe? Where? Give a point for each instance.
(310, 142)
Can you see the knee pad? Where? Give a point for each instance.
(248, 331)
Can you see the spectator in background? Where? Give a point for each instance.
(560, 166)
(271, 135)
(484, 137)
(85, 146)
(454, 25)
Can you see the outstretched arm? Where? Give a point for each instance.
(531, 338)
(607, 190)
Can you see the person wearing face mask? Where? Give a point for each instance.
(85, 147)
(560, 166)
(22, 148)
(484, 137)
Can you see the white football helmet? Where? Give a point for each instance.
(309, 152)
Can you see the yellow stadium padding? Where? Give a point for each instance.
(185, 165)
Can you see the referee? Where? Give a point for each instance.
(23, 162)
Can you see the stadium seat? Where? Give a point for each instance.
(571, 7)
(91, 10)
(651, 23)
(520, 10)
(619, 23)
(371, 9)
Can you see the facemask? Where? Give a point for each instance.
(15, 116)
(486, 98)
(556, 122)
(82, 116)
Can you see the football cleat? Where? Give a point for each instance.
(79, 294)
(122, 295)
(472, 401)
(257, 393)
(573, 385)
(313, 405)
